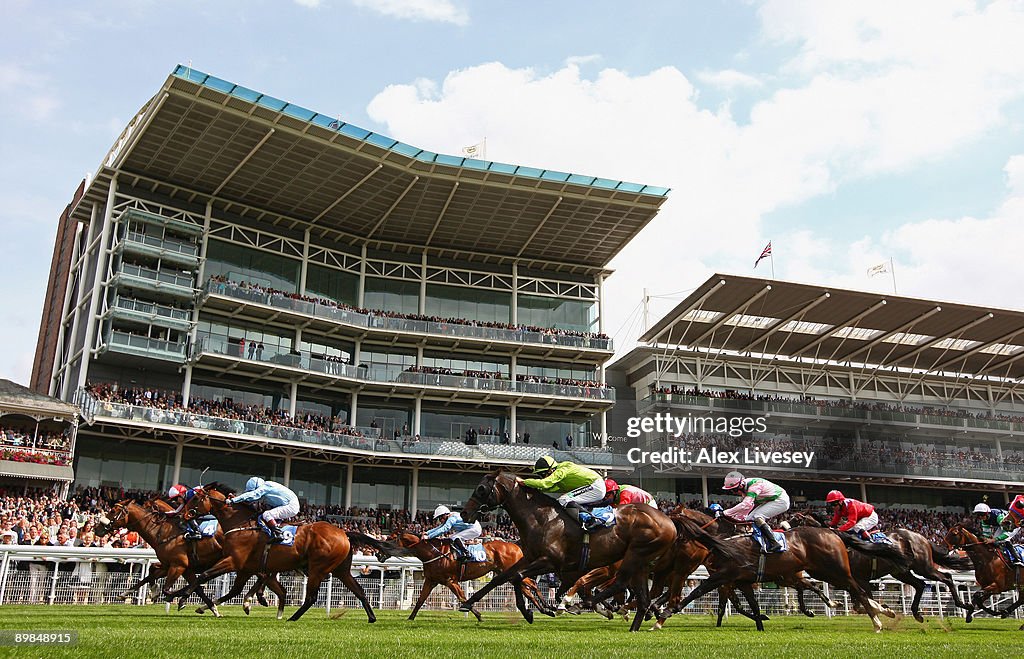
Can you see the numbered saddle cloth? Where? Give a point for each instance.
(287, 533)
(780, 538)
(604, 514)
(208, 528)
(880, 538)
(477, 553)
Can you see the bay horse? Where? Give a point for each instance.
(553, 542)
(990, 570)
(178, 557)
(820, 552)
(320, 549)
(927, 559)
(441, 567)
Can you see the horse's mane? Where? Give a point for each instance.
(217, 486)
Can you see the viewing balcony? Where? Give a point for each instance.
(150, 313)
(157, 281)
(141, 346)
(358, 440)
(177, 225)
(169, 251)
(215, 345)
(226, 295)
(826, 412)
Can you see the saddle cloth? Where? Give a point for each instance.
(1017, 549)
(208, 528)
(288, 532)
(604, 514)
(880, 538)
(477, 553)
(780, 537)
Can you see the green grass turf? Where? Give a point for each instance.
(128, 631)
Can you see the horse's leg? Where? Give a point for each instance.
(460, 595)
(428, 587)
(282, 594)
(255, 591)
(714, 580)
(518, 569)
(910, 579)
(1005, 613)
(755, 606)
(241, 579)
(223, 566)
(643, 598)
(314, 578)
(930, 571)
(532, 593)
(344, 572)
(724, 594)
(980, 596)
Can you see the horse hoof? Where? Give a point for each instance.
(528, 616)
(657, 626)
(969, 617)
(246, 608)
(809, 614)
(200, 610)
(918, 617)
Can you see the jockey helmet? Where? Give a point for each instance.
(733, 480)
(715, 508)
(441, 511)
(835, 496)
(176, 491)
(254, 483)
(610, 485)
(1004, 518)
(544, 464)
(982, 509)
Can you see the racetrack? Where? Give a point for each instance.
(130, 631)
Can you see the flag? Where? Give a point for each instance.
(477, 151)
(767, 251)
(880, 269)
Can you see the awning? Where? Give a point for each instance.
(38, 471)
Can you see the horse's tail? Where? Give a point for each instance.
(949, 560)
(688, 529)
(382, 546)
(891, 553)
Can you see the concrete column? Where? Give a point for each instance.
(1006, 497)
(604, 428)
(186, 388)
(856, 434)
(999, 449)
(287, 469)
(423, 284)
(348, 484)
(76, 321)
(704, 490)
(294, 395)
(419, 354)
(515, 294)
(178, 449)
(62, 331)
(415, 498)
(512, 422)
(361, 294)
(305, 263)
(863, 492)
(97, 283)
(512, 365)
(353, 407)
(600, 303)
(417, 410)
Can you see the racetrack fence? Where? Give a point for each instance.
(77, 575)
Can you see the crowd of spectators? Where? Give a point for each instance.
(868, 406)
(224, 285)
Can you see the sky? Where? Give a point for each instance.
(846, 133)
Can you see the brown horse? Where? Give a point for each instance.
(822, 553)
(441, 567)
(990, 570)
(198, 549)
(927, 559)
(178, 557)
(553, 542)
(320, 549)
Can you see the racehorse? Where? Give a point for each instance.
(990, 570)
(927, 559)
(178, 557)
(441, 567)
(553, 542)
(207, 548)
(822, 553)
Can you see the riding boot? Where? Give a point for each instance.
(276, 536)
(192, 531)
(771, 545)
(461, 552)
(574, 509)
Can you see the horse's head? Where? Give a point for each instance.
(404, 539)
(959, 536)
(118, 518)
(202, 501)
(488, 495)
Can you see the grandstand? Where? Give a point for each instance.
(906, 402)
(253, 287)
(37, 438)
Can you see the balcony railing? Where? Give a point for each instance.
(174, 246)
(162, 276)
(145, 344)
(216, 344)
(367, 439)
(152, 309)
(828, 412)
(389, 323)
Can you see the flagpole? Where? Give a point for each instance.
(771, 257)
(892, 269)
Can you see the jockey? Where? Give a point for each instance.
(988, 520)
(762, 500)
(716, 510)
(281, 502)
(620, 495)
(1003, 539)
(179, 494)
(860, 517)
(575, 485)
(463, 531)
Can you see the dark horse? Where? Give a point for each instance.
(320, 549)
(553, 542)
(178, 557)
(927, 559)
(990, 570)
(441, 567)
(822, 553)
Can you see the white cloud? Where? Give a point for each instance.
(729, 79)
(311, 4)
(1015, 175)
(442, 11)
(24, 93)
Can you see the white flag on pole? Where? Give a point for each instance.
(477, 151)
(880, 269)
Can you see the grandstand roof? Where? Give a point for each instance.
(15, 398)
(792, 320)
(203, 138)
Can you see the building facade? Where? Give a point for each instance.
(255, 288)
